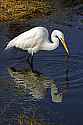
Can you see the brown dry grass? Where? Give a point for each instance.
(17, 10)
(13, 10)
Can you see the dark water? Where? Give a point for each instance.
(55, 97)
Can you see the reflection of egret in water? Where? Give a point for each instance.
(32, 120)
(35, 84)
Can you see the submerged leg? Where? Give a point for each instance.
(30, 61)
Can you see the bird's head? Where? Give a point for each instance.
(60, 36)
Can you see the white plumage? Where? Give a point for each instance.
(37, 39)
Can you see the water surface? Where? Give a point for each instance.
(52, 97)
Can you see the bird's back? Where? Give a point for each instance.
(29, 38)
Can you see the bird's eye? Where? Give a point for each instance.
(57, 37)
(61, 38)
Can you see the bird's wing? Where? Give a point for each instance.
(22, 41)
(30, 39)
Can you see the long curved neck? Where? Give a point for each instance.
(55, 42)
(47, 45)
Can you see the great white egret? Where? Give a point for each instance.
(37, 39)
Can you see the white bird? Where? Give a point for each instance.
(37, 39)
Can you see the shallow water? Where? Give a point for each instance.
(53, 97)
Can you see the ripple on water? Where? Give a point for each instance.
(66, 82)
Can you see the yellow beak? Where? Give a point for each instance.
(65, 45)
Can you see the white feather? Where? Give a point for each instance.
(36, 39)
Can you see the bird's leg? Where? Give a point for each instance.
(30, 57)
(32, 63)
(30, 60)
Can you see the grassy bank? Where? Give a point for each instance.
(17, 10)
(13, 10)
